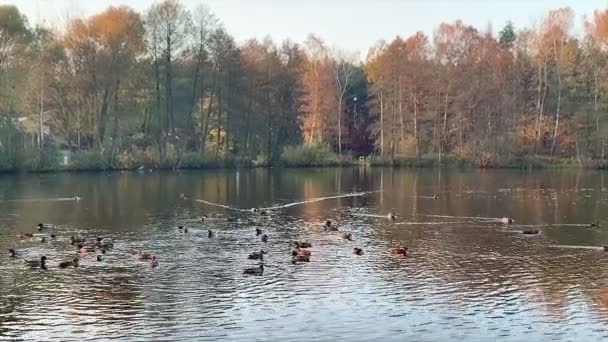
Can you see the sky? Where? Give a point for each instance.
(354, 25)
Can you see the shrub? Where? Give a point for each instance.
(89, 161)
(309, 155)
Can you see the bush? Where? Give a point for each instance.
(309, 155)
(90, 161)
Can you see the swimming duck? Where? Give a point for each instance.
(258, 232)
(12, 253)
(153, 262)
(300, 258)
(255, 210)
(531, 232)
(42, 226)
(347, 236)
(358, 251)
(330, 225)
(66, 264)
(255, 270)
(26, 235)
(302, 244)
(74, 240)
(257, 255)
(300, 251)
(435, 197)
(144, 255)
(210, 233)
(104, 243)
(594, 224)
(391, 216)
(99, 259)
(53, 236)
(264, 238)
(37, 263)
(77, 198)
(399, 250)
(506, 220)
(180, 228)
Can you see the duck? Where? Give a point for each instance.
(255, 210)
(258, 232)
(180, 228)
(12, 253)
(42, 226)
(255, 270)
(53, 236)
(257, 255)
(152, 262)
(66, 264)
(74, 241)
(143, 255)
(435, 197)
(210, 233)
(391, 216)
(99, 258)
(302, 244)
(506, 220)
(77, 198)
(300, 258)
(594, 224)
(264, 238)
(329, 225)
(203, 218)
(399, 250)
(531, 232)
(26, 235)
(347, 236)
(300, 251)
(104, 243)
(358, 251)
(84, 249)
(37, 263)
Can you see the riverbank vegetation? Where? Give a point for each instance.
(171, 88)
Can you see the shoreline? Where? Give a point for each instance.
(448, 162)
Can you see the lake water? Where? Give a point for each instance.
(466, 277)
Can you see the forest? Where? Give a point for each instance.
(171, 88)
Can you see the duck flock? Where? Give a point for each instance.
(97, 247)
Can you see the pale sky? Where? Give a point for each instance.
(350, 24)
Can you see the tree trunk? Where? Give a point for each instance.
(381, 125)
(416, 125)
(559, 98)
(340, 124)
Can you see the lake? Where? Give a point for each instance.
(467, 276)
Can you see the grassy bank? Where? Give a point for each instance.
(50, 160)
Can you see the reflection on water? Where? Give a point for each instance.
(467, 276)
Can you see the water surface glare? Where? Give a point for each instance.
(467, 276)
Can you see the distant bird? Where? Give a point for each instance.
(255, 210)
(180, 227)
(264, 238)
(435, 197)
(99, 259)
(143, 255)
(506, 220)
(53, 236)
(104, 243)
(257, 255)
(258, 232)
(210, 233)
(74, 241)
(391, 216)
(300, 258)
(12, 253)
(185, 230)
(37, 263)
(594, 224)
(347, 236)
(255, 270)
(399, 250)
(302, 244)
(329, 225)
(77, 198)
(531, 232)
(358, 251)
(153, 262)
(300, 251)
(66, 264)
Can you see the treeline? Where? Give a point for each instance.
(171, 88)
